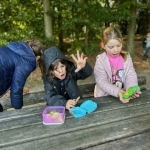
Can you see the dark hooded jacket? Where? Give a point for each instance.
(55, 94)
(17, 61)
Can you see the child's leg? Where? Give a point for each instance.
(146, 53)
(147, 50)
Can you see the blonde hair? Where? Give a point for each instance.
(38, 50)
(113, 33)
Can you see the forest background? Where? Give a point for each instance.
(72, 24)
(75, 24)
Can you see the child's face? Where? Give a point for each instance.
(60, 71)
(113, 47)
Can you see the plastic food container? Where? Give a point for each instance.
(85, 108)
(53, 115)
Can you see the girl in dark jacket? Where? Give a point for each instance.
(17, 61)
(60, 81)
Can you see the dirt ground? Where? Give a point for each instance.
(34, 82)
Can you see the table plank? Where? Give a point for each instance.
(138, 142)
(71, 125)
(82, 138)
(31, 116)
(111, 121)
(34, 116)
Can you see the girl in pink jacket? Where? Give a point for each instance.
(114, 72)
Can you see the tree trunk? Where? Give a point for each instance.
(107, 4)
(131, 29)
(60, 31)
(86, 36)
(148, 22)
(47, 20)
(60, 34)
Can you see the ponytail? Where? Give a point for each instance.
(38, 50)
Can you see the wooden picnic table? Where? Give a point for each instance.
(112, 126)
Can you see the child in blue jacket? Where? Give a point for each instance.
(17, 61)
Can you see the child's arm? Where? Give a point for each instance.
(83, 73)
(19, 78)
(130, 76)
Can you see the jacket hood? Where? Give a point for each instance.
(52, 54)
(23, 50)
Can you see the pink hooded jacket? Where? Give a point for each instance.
(103, 76)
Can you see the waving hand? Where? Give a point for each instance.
(79, 60)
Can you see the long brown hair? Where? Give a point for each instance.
(113, 33)
(38, 50)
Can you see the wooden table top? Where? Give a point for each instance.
(112, 126)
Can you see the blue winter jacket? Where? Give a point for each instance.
(17, 61)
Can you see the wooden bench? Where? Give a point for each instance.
(113, 125)
(86, 89)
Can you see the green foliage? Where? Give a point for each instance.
(82, 47)
(21, 19)
(74, 19)
(48, 42)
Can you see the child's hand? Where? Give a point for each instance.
(121, 97)
(70, 103)
(136, 94)
(76, 100)
(80, 61)
(118, 84)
